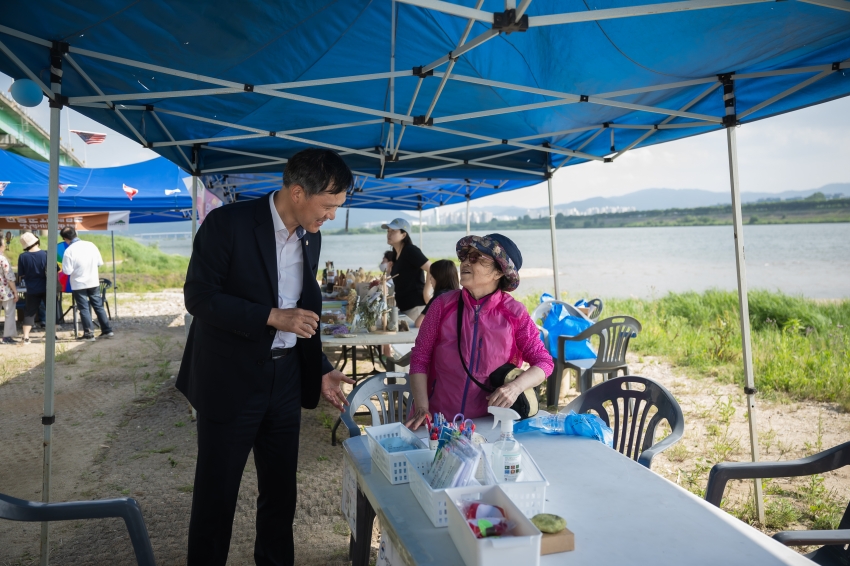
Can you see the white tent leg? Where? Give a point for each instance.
(50, 338)
(554, 238)
(114, 277)
(743, 303)
(195, 180)
(467, 216)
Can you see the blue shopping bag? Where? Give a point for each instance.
(559, 323)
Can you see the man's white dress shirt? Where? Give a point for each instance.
(290, 272)
(80, 261)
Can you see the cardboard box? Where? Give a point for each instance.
(558, 542)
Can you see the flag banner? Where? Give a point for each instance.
(91, 138)
(131, 192)
(81, 222)
(3, 185)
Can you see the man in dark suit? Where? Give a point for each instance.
(254, 358)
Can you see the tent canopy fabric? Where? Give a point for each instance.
(162, 189)
(441, 90)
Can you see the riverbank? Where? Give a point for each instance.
(817, 210)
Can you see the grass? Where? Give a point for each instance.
(801, 347)
(139, 267)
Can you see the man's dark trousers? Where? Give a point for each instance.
(269, 423)
(85, 297)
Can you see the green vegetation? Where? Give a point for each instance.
(813, 209)
(801, 347)
(139, 267)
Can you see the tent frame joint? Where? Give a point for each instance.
(750, 390)
(47, 421)
(422, 121)
(58, 101)
(836, 66)
(506, 22)
(272, 134)
(248, 87)
(419, 73)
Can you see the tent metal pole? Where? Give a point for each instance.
(743, 303)
(194, 206)
(49, 416)
(420, 226)
(553, 235)
(467, 215)
(114, 276)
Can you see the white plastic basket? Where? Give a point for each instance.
(529, 491)
(521, 547)
(392, 464)
(432, 501)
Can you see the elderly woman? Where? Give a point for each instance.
(495, 329)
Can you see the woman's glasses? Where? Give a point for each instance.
(474, 256)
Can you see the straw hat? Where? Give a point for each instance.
(28, 240)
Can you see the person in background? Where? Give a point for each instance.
(495, 329)
(411, 290)
(8, 296)
(32, 268)
(443, 278)
(80, 263)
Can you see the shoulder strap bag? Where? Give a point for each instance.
(526, 405)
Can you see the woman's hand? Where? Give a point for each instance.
(417, 419)
(505, 396)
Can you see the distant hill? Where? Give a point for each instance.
(661, 199)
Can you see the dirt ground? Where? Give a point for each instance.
(123, 430)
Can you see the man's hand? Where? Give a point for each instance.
(332, 391)
(302, 323)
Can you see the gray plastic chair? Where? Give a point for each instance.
(126, 508)
(834, 551)
(633, 435)
(614, 335)
(393, 396)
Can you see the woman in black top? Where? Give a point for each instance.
(32, 268)
(411, 290)
(443, 278)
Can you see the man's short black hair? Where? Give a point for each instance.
(68, 233)
(317, 170)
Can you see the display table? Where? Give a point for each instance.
(620, 512)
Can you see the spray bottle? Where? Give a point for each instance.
(507, 452)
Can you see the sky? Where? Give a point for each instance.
(800, 150)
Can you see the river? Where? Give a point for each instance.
(807, 259)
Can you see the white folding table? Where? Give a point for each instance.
(620, 512)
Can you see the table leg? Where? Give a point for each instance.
(359, 549)
(354, 363)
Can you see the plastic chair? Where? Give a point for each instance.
(834, 551)
(542, 311)
(105, 284)
(633, 435)
(391, 391)
(597, 311)
(128, 509)
(614, 335)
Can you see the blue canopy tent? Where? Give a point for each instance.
(163, 193)
(429, 88)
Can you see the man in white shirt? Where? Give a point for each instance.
(80, 263)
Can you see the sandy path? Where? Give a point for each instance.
(122, 429)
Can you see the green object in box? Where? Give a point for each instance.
(548, 523)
